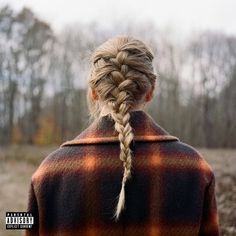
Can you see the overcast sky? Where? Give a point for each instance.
(183, 15)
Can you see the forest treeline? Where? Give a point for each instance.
(43, 80)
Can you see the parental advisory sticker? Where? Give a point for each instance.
(19, 220)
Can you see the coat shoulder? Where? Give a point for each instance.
(189, 154)
(59, 156)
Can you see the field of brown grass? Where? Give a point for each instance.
(17, 164)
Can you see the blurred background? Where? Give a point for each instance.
(45, 48)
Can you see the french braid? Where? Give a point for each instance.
(121, 74)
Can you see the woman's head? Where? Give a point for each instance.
(121, 72)
(121, 79)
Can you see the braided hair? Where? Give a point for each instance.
(121, 74)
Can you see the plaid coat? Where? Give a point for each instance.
(172, 190)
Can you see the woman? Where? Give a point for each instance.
(124, 174)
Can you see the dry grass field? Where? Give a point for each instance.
(18, 163)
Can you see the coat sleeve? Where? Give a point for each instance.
(210, 222)
(33, 208)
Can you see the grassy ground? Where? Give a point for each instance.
(223, 163)
(17, 164)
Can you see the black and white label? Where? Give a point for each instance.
(19, 220)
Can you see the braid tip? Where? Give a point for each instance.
(121, 203)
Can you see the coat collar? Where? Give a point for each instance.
(102, 130)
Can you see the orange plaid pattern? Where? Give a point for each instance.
(172, 190)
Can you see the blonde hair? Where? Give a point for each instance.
(121, 74)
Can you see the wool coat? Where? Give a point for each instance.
(75, 189)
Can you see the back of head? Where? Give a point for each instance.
(121, 75)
